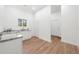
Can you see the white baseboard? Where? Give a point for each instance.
(77, 44)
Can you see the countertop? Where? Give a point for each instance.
(11, 35)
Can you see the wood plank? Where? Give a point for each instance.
(37, 46)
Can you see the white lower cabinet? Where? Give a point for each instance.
(11, 47)
(26, 34)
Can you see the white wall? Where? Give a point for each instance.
(12, 15)
(56, 24)
(35, 26)
(43, 23)
(69, 29)
(78, 22)
(1, 17)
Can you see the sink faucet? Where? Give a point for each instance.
(7, 30)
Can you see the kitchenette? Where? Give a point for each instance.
(16, 25)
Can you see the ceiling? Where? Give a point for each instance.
(29, 8)
(36, 8)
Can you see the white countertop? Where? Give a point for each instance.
(10, 35)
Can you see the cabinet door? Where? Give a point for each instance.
(26, 34)
(11, 47)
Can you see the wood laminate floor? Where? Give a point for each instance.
(38, 46)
